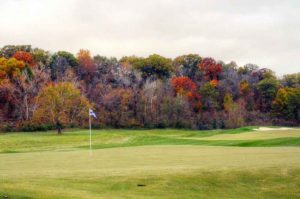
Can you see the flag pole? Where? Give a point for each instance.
(90, 124)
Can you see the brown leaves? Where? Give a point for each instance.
(85, 61)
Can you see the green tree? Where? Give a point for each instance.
(61, 62)
(9, 50)
(41, 57)
(130, 61)
(280, 103)
(287, 104)
(154, 66)
(68, 56)
(209, 95)
(267, 89)
(187, 65)
(294, 104)
(291, 80)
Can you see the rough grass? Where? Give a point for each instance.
(151, 164)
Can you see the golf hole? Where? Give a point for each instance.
(141, 185)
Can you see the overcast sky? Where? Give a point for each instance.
(264, 32)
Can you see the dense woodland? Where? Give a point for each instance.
(40, 90)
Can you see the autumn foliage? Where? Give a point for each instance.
(213, 82)
(61, 104)
(10, 67)
(25, 57)
(43, 90)
(211, 68)
(85, 60)
(244, 88)
(184, 86)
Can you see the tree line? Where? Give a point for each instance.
(40, 90)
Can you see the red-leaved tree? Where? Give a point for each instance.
(211, 68)
(183, 85)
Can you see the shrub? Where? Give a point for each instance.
(29, 126)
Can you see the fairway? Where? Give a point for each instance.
(150, 164)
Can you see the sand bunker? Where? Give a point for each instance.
(272, 129)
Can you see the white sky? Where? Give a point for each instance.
(264, 32)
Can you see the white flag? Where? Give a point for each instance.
(91, 112)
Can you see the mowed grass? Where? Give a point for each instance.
(169, 163)
(256, 135)
(78, 139)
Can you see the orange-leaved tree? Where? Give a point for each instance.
(213, 83)
(184, 86)
(25, 57)
(61, 104)
(86, 62)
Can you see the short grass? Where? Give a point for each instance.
(169, 163)
(264, 183)
(79, 139)
(256, 135)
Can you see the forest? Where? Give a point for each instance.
(42, 90)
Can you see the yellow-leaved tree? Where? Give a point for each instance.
(234, 111)
(61, 104)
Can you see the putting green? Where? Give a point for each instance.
(144, 160)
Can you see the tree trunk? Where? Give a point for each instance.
(26, 107)
(59, 127)
(59, 131)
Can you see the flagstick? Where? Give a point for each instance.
(90, 123)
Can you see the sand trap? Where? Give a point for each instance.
(272, 129)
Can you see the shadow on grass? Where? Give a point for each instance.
(158, 140)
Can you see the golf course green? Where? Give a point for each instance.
(162, 163)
